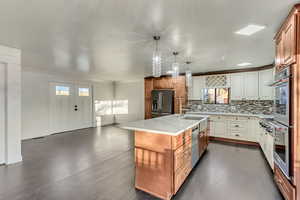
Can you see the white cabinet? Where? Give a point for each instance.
(251, 85)
(267, 146)
(237, 86)
(196, 91)
(234, 127)
(265, 78)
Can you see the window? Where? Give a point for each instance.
(83, 92)
(103, 107)
(120, 107)
(62, 90)
(216, 96)
(109, 107)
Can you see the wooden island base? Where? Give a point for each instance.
(163, 162)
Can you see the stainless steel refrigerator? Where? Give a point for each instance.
(162, 103)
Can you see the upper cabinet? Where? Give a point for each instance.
(251, 86)
(266, 77)
(237, 86)
(163, 83)
(289, 42)
(285, 42)
(279, 59)
(196, 91)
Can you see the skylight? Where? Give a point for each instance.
(250, 29)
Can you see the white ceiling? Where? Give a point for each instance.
(112, 39)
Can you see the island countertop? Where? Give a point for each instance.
(169, 125)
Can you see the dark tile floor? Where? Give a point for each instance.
(97, 164)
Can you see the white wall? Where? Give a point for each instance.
(35, 101)
(11, 61)
(134, 93)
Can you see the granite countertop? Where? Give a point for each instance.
(169, 125)
(262, 116)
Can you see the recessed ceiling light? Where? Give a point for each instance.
(250, 29)
(244, 64)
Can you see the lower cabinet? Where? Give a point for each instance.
(287, 190)
(163, 162)
(266, 142)
(234, 127)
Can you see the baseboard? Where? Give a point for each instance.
(233, 141)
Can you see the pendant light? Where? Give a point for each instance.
(175, 66)
(188, 75)
(156, 59)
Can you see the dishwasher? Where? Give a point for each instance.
(195, 145)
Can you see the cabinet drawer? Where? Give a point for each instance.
(287, 190)
(238, 124)
(182, 156)
(237, 134)
(180, 177)
(181, 139)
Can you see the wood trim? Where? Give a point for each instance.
(230, 71)
(233, 141)
(296, 113)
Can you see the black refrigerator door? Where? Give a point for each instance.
(167, 101)
(162, 101)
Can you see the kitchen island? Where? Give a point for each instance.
(166, 150)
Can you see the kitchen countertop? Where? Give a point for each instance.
(169, 125)
(262, 116)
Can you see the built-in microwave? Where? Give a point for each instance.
(282, 97)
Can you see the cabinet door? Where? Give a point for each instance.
(148, 84)
(220, 128)
(265, 91)
(279, 60)
(198, 85)
(163, 83)
(289, 42)
(251, 85)
(270, 141)
(237, 86)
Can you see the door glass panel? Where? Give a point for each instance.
(83, 92)
(62, 90)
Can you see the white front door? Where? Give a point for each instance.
(70, 107)
(83, 106)
(2, 112)
(61, 107)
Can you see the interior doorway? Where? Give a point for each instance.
(70, 106)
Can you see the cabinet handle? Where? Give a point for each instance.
(237, 135)
(236, 126)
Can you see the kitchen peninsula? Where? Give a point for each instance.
(166, 150)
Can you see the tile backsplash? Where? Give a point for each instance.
(235, 106)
